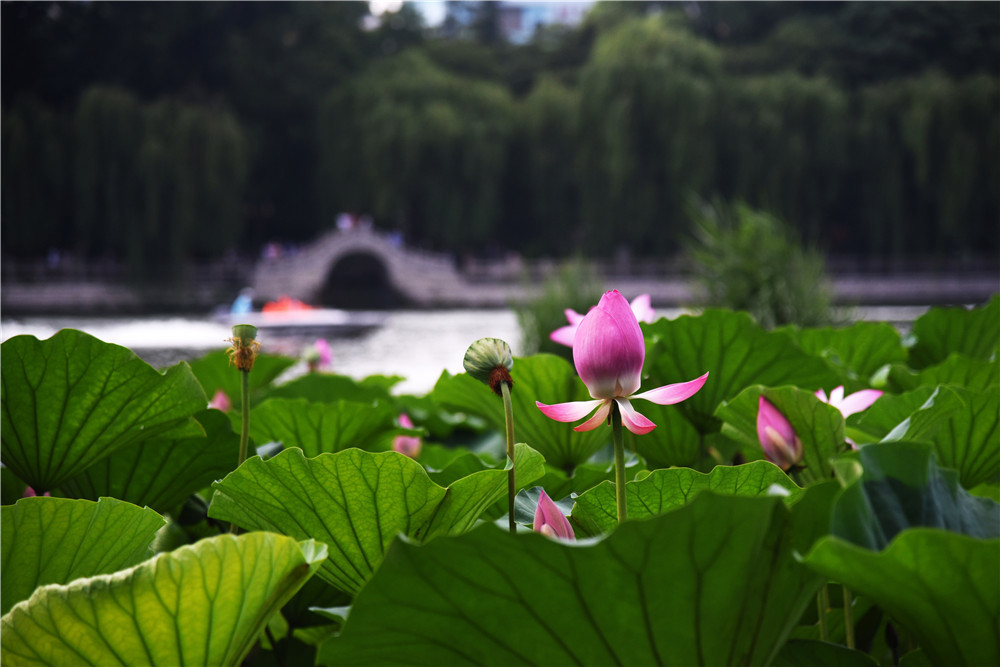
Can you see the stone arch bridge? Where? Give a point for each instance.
(361, 268)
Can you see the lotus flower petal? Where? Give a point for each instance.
(673, 393)
(634, 421)
(599, 418)
(858, 401)
(608, 349)
(564, 335)
(643, 309)
(568, 412)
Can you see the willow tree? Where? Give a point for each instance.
(36, 178)
(419, 148)
(648, 95)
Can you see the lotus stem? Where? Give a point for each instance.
(244, 424)
(508, 411)
(616, 433)
(848, 619)
(822, 603)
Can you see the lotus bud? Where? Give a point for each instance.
(550, 521)
(781, 445)
(490, 361)
(407, 445)
(244, 346)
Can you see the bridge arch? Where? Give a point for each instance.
(367, 261)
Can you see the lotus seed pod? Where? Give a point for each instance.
(490, 361)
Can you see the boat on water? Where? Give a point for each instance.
(287, 315)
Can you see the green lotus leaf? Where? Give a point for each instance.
(961, 424)
(941, 331)
(204, 604)
(326, 387)
(596, 510)
(161, 472)
(819, 426)
(320, 427)
(56, 540)
(71, 400)
(943, 587)
(814, 653)
(901, 486)
(712, 583)
(542, 377)
(357, 502)
(856, 351)
(957, 369)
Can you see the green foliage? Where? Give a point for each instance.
(56, 540)
(653, 592)
(161, 612)
(711, 567)
(415, 144)
(574, 287)
(358, 502)
(72, 400)
(749, 260)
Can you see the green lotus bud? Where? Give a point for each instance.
(490, 361)
(244, 349)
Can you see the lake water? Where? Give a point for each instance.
(417, 345)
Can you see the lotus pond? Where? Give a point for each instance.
(773, 516)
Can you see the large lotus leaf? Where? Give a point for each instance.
(712, 583)
(12, 488)
(941, 331)
(72, 400)
(914, 415)
(320, 427)
(542, 377)
(674, 442)
(814, 653)
(204, 604)
(56, 540)
(957, 369)
(901, 486)
(943, 587)
(970, 440)
(962, 425)
(818, 425)
(325, 387)
(856, 352)
(735, 350)
(596, 510)
(356, 502)
(215, 371)
(161, 472)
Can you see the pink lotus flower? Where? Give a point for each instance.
(550, 521)
(848, 405)
(407, 445)
(608, 351)
(781, 446)
(221, 401)
(641, 307)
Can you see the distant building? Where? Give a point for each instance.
(519, 20)
(514, 22)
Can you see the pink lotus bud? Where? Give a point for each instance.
(781, 446)
(30, 493)
(407, 445)
(550, 521)
(641, 308)
(608, 349)
(221, 401)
